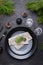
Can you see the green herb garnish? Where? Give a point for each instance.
(19, 39)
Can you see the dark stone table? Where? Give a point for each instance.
(37, 58)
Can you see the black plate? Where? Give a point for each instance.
(27, 54)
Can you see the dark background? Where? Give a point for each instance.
(37, 58)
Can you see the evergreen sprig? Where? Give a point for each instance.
(36, 7)
(6, 7)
